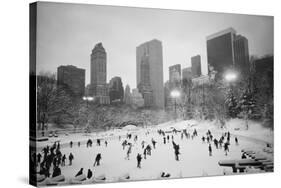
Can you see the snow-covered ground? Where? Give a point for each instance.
(194, 157)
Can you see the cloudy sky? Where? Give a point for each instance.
(68, 32)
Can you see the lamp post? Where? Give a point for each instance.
(175, 94)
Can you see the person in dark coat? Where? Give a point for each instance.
(98, 142)
(236, 140)
(97, 160)
(71, 144)
(63, 160)
(153, 143)
(164, 140)
(70, 158)
(89, 174)
(56, 171)
(139, 158)
(210, 150)
(80, 172)
(105, 142)
(144, 153)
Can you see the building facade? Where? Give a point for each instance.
(175, 73)
(196, 66)
(116, 90)
(127, 95)
(226, 51)
(149, 61)
(99, 89)
(187, 73)
(72, 79)
(241, 54)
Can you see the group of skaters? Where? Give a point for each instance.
(222, 142)
(51, 158)
(49, 161)
(147, 148)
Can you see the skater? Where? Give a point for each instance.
(176, 150)
(148, 149)
(164, 140)
(168, 138)
(78, 144)
(139, 158)
(98, 142)
(216, 143)
(70, 158)
(124, 143)
(56, 171)
(63, 160)
(105, 142)
(128, 152)
(144, 153)
(153, 143)
(236, 141)
(97, 160)
(210, 150)
(71, 144)
(80, 172)
(203, 139)
(226, 148)
(89, 174)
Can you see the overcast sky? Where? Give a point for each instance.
(68, 32)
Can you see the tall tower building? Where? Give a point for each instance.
(196, 66)
(226, 50)
(99, 88)
(150, 53)
(241, 54)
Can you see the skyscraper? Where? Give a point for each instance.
(187, 73)
(241, 53)
(196, 66)
(175, 73)
(99, 88)
(226, 50)
(72, 79)
(116, 90)
(150, 70)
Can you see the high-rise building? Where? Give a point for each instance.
(116, 90)
(99, 88)
(196, 66)
(241, 53)
(150, 71)
(226, 50)
(187, 73)
(72, 79)
(127, 95)
(175, 75)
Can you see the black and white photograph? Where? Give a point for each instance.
(120, 94)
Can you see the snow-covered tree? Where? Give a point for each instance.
(247, 105)
(231, 104)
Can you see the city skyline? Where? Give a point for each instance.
(80, 27)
